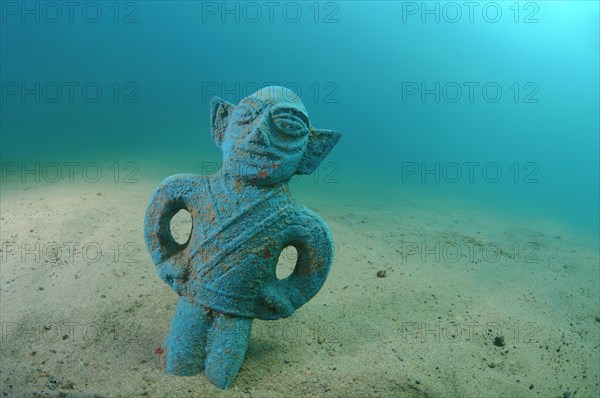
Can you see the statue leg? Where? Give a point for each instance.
(185, 344)
(228, 340)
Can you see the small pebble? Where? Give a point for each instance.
(103, 295)
(499, 341)
(531, 386)
(98, 193)
(381, 274)
(147, 379)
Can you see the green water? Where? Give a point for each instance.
(496, 109)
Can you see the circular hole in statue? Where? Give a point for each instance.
(181, 226)
(286, 262)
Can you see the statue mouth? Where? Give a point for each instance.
(258, 153)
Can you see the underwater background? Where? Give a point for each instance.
(463, 197)
(493, 105)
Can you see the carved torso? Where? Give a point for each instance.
(238, 233)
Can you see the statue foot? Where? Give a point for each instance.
(228, 340)
(200, 339)
(185, 344)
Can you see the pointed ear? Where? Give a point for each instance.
(220, 110)
(320, 143)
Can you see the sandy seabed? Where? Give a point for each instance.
(472, 304)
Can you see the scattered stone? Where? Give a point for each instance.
(147, 379)
(598, 319)
(531, 386)
(98, 193)
(381, 274)
(103, 295)
(68, 385)
(53, 383)
(40, 288)
(499, 341)
(566, 394)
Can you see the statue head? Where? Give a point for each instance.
(267, 138)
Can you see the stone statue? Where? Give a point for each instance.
(242, 218)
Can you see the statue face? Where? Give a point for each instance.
(266, 137)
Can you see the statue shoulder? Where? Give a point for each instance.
(182, 184)
(308, 216)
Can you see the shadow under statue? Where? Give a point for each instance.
(242, 218)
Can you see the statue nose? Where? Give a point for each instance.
(260, 133)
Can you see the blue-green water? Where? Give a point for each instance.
(499, 101)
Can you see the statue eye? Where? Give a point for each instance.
(290, 124)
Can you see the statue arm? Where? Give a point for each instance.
(172, 195)
(312, 239)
